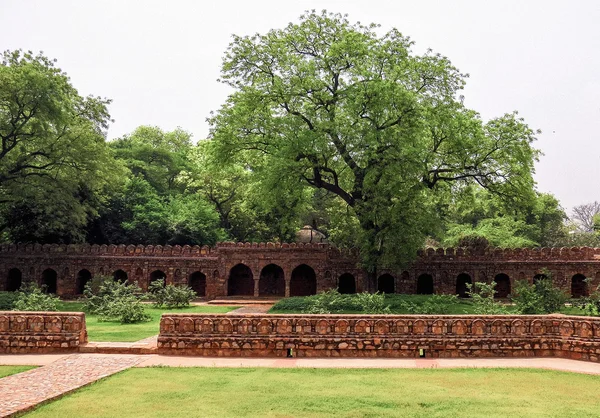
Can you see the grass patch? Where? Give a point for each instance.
(114, 331)
(8, 370)
(193, 392)
(464, 306)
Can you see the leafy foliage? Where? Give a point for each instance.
(32, 297)
(332, 105)
(482, 296)
(332, 301)
(170, 296)
(112, 300)
(434, 305)
(55, 167)
(476, 213)
(7, 300)
(538, 298)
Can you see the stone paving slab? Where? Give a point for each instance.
(251, 309)
(386, 363)
(21, 392)
(146, 346)
(29, 359)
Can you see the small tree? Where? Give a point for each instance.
(115, 301)
(482, 295)
(170, 296)
(33, 298)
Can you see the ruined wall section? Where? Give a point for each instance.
(41, 332)
(329, 264)
(437, 336)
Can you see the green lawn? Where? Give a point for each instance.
(8, 370)
(263, 392)
(114, 331)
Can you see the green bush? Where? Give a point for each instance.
(115, 301)
(332, 301)
(373, 303)
(590, 304)
(482, 296)
(538, 298)
(170, 296)
(434, 305)
(7, 300)
(31, 297)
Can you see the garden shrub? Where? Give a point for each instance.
(32, 297)
(7, 300)
(433, 305)
(170, 296)
(538, 298)
(482, 296)
(332, 301)
(590, 304)
(115, 301)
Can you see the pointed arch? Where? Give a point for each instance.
(303, 281)
(385, 283)
(120, 276)
(425, 284)
(271, 281)
(461, 285)
(157, 275)
(578, 286)
(49, 280)
(197, 281)
(83, 277)
(14, 280)
(347, 284)
(241, 281)
(502, 285)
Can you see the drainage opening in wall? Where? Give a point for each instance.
(421, 353)
(290, 352)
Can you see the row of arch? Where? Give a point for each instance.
(503, 285)
(49, 280)
(271, 282)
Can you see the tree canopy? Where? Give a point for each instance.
(54, 163)
(328, 104)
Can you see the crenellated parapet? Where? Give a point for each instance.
(507, 254)
(292, 269)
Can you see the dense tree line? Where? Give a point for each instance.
(329, 124)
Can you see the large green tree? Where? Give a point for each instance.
(333, 105)
(55, 168)
(475, 212)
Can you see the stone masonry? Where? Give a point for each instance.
(281, 270)
(434, 336)
(41, 332)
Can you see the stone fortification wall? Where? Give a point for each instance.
(380, 336)
(274, 269)
(41, 332)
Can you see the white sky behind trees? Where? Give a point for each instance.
(159, 61)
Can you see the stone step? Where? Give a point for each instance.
(145, 346)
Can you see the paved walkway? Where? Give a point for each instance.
(262, 308)
(373, 363)
(23, 391)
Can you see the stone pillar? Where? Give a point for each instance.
(287, 280)
(256, 287)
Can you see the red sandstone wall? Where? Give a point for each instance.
(380, 336)
(41, 332)
(328, 263)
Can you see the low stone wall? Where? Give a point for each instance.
(380, 336)
(41, 332)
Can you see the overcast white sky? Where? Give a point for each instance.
(159, 60)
